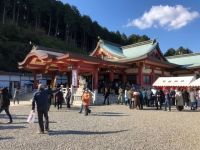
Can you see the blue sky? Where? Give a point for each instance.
(173, 23)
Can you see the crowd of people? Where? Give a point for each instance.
(156, 97)
(130, 96)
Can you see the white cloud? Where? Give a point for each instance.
(168, 17)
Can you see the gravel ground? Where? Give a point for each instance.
(113, 127)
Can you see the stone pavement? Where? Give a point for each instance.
(113, 127)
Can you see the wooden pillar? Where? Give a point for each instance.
(162, 73)
(124, 77)
(111, 75)
(35, 81)
(95, 79)
(140, 75)
(53, 80)
(152, 75)
(69, 79)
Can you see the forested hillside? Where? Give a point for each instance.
(49, 23)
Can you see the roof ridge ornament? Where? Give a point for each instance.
(34, 48)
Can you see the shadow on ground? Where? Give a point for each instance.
(109, 114)
(5, 127)
(173, 109)
(63, 132)
(6, 138)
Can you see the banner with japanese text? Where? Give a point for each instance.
(74, 78)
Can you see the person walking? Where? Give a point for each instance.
(40, 98)
(106, 95)
(158, 99)
(126, 96)
(179, 100)
(120, 98)
(16, 95)
(5, 97)
(136, 97)
(130, 98)
(86, 98)
(172, 94)
(68, 97)
(149, 97)
(59, 99)
(50, 96)
(167, 100)
(186, 99)
(192, 96)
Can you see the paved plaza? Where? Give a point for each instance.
(113, 127)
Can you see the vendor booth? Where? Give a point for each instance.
(195, 83)
(174, 81)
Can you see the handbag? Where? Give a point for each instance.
(31, 117)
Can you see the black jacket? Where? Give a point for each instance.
(41, 99)
(5, 98)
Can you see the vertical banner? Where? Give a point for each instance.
(74, 78)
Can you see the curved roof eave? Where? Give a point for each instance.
(32, 54)
(130, 59)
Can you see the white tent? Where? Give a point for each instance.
(174, 81)
(195, 83)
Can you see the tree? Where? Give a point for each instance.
(182, 50)
(170, 52)
(6, 3)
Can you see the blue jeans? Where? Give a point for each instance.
(193, 105)
(81, 108)
(168, 104)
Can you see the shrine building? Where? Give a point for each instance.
(140, 64)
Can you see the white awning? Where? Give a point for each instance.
(195, 83)
(174, 81)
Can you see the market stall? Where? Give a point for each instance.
(174, 81)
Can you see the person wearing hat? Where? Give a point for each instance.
(5, 97)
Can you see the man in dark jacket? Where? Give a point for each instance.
(41, 99)
(68, 97)
(5, 102)
(59, 99)
(50, 96)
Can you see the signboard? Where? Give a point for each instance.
(74, 78)
(38, 76)
(147, 70)
(132, 70)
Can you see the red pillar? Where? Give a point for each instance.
(111, 75)
(152, 75)
(162, 73)
(124, 77)
(35, 81)
(53, 80)
(140, 75)
(95, 79)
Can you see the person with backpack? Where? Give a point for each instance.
(5, 97)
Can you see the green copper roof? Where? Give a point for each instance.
(112, 48)
(133, 51)
(139, 49)
(186, 60)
